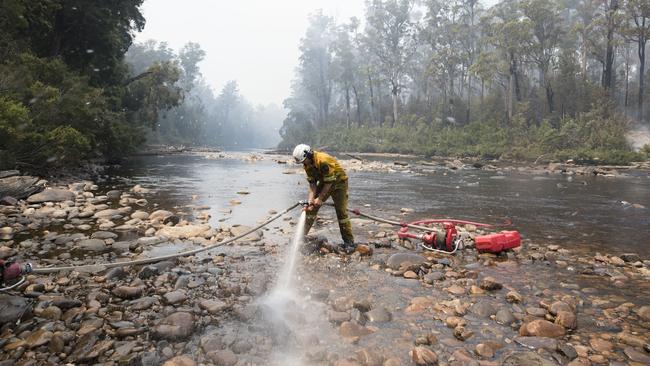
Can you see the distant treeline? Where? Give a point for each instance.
(203, 118)
(521, 79)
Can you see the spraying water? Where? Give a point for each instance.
(284, 282)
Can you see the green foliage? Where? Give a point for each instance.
(65, 93)
(593, 137)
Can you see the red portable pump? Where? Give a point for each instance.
(497, 242)
(436, 239)
(448, 240)
(10, 270)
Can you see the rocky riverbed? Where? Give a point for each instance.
(386, 304)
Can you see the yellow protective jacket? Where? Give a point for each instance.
(326, 169)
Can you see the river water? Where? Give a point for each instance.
(584, 213)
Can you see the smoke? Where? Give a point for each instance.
(638, 137)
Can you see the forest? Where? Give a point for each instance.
(522, 79)
(74, 87)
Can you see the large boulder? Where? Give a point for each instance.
(14, 308)
(20, 186)
(52, 195)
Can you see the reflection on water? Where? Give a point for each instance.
(584, 213)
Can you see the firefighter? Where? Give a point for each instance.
(326, 178)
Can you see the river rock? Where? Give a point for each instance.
(600, 345)
(92, 245)
(83, 347)
(175, 297)
(405, 260)
(483, 309)
(20, 187)
(213, 306)
(107, 214)
(484, 350)
(637, 356)
(183, 232)
(566, 319)
(51, 195)
(558, 306)
(103, 235)
(352, 330)
(541, 328)
(143, 303)
(490, 284)
(184, 360)
(644, 313)
(8, 201)
(140, 215)
(38, 338)
(514, 297)
(128, 292)
(424, 356)
(526, 358)
(378, 315)
(631, 340)
(549, 344)
(223, 357)
(241, 229)
(14, 308)
(179, 325)
(504, 316)
(338, 317)
(159, 215)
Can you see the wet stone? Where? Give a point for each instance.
(505, 316)
(490, 284)
(484, 350)
(637, 356)
(483, 309)
(213, 306)
(534, 343)
(567, 319)
(223, 357)
(38, 338)
(568, 351)
(405, 260)
(338, 317)
(178, 325)
(424, 356)
(433, 277)
(526, 358)
(378, 315)
(175, 297)
(143, 303)
(128, 292)
(184, 360)
(541, 328)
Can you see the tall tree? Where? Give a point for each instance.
(637, 29)
(391, 36)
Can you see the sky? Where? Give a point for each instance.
(252, 41)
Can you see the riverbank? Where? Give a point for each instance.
(541, 303)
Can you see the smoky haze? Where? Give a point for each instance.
(252, 41)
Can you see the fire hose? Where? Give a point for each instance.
(16, 270)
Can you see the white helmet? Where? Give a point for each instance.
(301, 152)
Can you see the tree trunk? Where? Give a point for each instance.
(395, 94)
(347, 106)
(372, 100)
(358, 102)
(608, 74)
(642, 42)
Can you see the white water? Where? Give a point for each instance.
(284, 281)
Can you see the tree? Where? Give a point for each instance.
(391, 37)
(637, 29)
(316, 65)
(547, 31)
